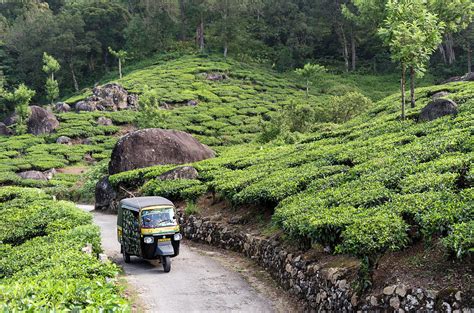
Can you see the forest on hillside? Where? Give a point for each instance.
(88, 38)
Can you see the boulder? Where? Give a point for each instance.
(111, 95)
(469, 77)
(84, 106)
(439, 94)
(181, 172)
(11, 119)
(41, 121)
(104, 194)
(62, 107)
(4, 130)
(64, 140)
(438, 108)
(104, 121)
(216, 76)
(36, 175)
(50, 173)
(87, 141)
(452, 80)
(192, 103)
(132, 100)
(154, 146)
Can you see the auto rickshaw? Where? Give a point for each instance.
(147, 227)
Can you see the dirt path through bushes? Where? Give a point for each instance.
(198, 281)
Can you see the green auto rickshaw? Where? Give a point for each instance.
(147, 227)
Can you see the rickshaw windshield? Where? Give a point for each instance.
(158, 217)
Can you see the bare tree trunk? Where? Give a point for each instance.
(76, 85)
(353, 50)
(225, 50)
(412, 86)
(345, 52)
(182, 12)
(402, 87)
(201, 37)
(469, 58)
(443, 53)
(449, 43)
(120, 68)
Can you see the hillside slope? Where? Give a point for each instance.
(371, 185)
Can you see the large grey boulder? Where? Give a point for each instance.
(62, 107)
(438, 108)
(84, 106)
(41, 121)
(36, 175)
(469, 77)
(64, 140)
(181, 172)
(4, 130)
(154, 146)
(104, 121)
(104, 194)
(11, 119)
(109, 97)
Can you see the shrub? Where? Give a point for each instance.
(460, 241)
(374, 234)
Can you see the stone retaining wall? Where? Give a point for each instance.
(321, 287)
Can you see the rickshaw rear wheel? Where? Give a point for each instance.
(166, 261)
(126, 256)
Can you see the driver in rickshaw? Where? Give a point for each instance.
(153, 220)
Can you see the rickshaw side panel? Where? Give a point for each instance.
(130, 232)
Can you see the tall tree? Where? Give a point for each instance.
(51, 66)
(120, 55)
(456, 16)
(412, 33)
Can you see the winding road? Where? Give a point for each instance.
(196, 283)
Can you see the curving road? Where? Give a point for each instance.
(196, 283)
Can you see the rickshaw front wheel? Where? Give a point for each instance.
(166, 261)
(126, 256)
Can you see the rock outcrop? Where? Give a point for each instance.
(36, 175)
(62, 107)
(156, 146)
(11, 119)
(104, 121)
(104, 194)
(64, 140)
(438, 108)
(41, 121)
(4, 130)
(109, 97)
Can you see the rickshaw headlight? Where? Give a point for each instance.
(148, 240)
(178, 236)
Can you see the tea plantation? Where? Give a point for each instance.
(368, 186)
(43, 267)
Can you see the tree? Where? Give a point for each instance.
(52, 89)
(51, 66)
(308, 72)
(121, 55)
(20, 99)
(412, 33)
(456, 16)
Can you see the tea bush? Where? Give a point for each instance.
(42, 266)
(355, 187)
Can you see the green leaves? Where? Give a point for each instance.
(43, 268)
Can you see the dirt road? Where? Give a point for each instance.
(196, 283)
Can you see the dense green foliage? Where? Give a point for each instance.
(358, 187)
(286, 34)
(42, 266)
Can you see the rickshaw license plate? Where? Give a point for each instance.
(164, 239)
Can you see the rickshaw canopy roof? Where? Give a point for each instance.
(138, 203)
